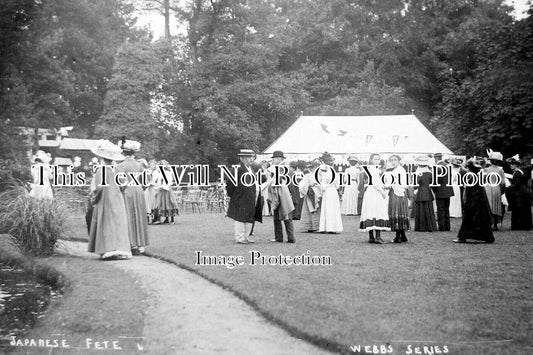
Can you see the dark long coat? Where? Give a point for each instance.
(477, 216)
(242, 205)
(443, 190)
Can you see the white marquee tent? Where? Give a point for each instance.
(310, 136)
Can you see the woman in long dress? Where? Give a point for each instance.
(108, 234)
(455, 201)
(424, 211)
(134, 198)
(167, 206)
(350, 196)
(398, 201)
(518, 198)
(330, 211)
(150, 191)
(494, 192)
(264, 187)
(374, 211)
(42, 175)
(311, 194)
(477, 216)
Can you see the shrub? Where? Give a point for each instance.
(35, 225)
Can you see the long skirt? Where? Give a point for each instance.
(330, 211)
(520, 207)
(399, 212)
(425, 217)
(167, 205)
(109, 224)
(494, 196)
(349, 200)
(455, 203)
(310, 221)
(136, 209)
(149, 196)
(374, 212)
(477, 217)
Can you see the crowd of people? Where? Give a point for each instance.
(382, 207)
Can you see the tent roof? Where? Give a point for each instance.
(402, 134)
(78, 144)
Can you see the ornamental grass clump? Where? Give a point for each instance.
(34, 224)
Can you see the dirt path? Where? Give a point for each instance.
(187, 314)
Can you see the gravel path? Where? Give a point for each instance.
(189, 315)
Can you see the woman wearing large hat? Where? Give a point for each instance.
(312, 196)
(351, 190)
(108, 234)
(494, 193)
(330, 209)
(477, 216)
(518, 197)
(42, 175)
(166, 205)
(134, 197)
(424, 211)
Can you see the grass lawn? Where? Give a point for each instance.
(101, 303)
(473, 298)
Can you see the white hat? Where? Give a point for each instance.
(107, 150)
(42, 156)
(246, 153)
(129, 145)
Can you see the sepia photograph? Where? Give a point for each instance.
(266, 177)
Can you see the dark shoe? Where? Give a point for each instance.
(397, 240)
(403, 239)
(378, 240)
(135, 251)
(458, 240)
(371, 240)
(291, 241)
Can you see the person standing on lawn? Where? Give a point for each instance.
(108, 235)
(494, 193)
(374, 212)
(456, 209)
(477, 216)
(424, 212)
(42, 175)
(330, 211)
(351, 190)
(295, 192)
(134, 197)
(166, 204)
(518, 197)
(398, 201)
(245, 201)
(443, 192)
(312, 196)
(281, 201)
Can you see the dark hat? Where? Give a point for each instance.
(246, 153)
(326, 157)
(515, 159)
(278, 154)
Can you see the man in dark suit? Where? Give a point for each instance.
(245, 201)
(443, 192)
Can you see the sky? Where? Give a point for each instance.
(155, 22)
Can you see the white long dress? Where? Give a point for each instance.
(374, 212)
(330, 212)
(41, 188)
(455, 200)
(351, 191)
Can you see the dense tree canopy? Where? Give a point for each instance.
(246, 69)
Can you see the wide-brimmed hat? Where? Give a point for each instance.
(129, 146)
(474, 162)
(42, 156)
(423, 160)
(277, 154)
(494, 155)
(515, 159)
(246, 153)
(456, 161)
(352, 158)
(106, 149)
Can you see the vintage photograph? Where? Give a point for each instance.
(266, 177)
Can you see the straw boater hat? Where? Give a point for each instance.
(42, 156)
(423, 160)
(106, 149)
(246, 153)
(515, 159)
